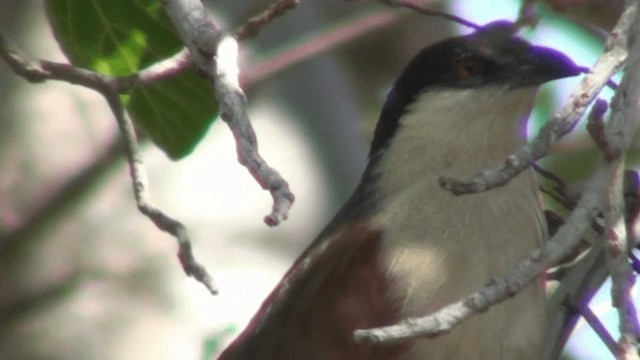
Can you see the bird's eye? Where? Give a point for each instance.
(468, 67)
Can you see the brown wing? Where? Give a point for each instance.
(337, 286)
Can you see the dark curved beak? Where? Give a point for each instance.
(545, 64)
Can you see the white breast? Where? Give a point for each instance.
(440, 247)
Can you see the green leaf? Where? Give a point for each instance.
(119, 37)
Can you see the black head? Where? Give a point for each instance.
(492, 55)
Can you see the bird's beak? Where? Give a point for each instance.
(545, 64)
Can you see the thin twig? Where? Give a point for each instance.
(558, 197)
(143, 197)
(447, 318)
(619, 133)
(595, 323)
(37, 71)
(581, 280)
(616, 249)
(215, 55)
(560, 183)
(233, 111)
(559, 189)
(417, 7)
(561, 123)
(319, 43)
(596, 16)
(252, 27)
(40, 70)
(165, 68)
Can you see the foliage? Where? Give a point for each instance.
(120, 37)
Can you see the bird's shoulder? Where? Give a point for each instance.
(336, 286)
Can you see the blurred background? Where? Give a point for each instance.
(83, 275)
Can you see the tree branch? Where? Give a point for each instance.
(579, 284)
(595, 323)
(215, 55)
(37, 71)
(252, 27)
(619, 134)
(325, 39)
(42, 70)
(171, 66)
(419, 8)
(143, 197)
(500, 289)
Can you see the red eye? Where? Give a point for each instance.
(469, 67)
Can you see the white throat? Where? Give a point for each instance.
(439, 247)
(456, 132)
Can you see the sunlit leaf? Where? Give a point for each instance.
(118, 37)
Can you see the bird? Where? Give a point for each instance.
(401, 246)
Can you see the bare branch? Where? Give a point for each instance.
(500, 289)
(595, 323)
(581, 281)
(561, 123)
(594, 15)
(40, 70)
(324, 40)
(143, 198)
(171, 66)
(252, 27)
(558, 191)
(619, 134)
(215, 55)
(622, 277)
(616, 249)
(36, 71)
(233, 111)
(417, 7)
